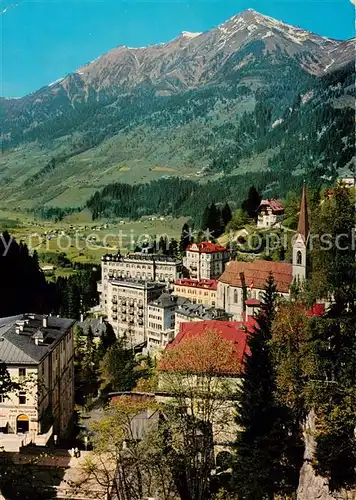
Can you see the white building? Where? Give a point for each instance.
(206, 260)
(127, 307)
(161, 321)
(269, 213)
(38, 353)
(140, 267)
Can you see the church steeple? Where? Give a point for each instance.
(301, 241)
(303, 223)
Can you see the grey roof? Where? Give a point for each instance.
(202, 311)
(164, 300)
(20, 348)
(97, 326)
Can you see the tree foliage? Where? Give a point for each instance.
(195, 375)
(128, 459)
(268, 449)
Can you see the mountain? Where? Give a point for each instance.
(201, 104)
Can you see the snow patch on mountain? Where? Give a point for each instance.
(189, 34)
(59, 80)
(328, 66)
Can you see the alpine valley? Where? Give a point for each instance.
(251, 97)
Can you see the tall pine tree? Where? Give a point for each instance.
(251, 204)
(267, 449)
(226, 214)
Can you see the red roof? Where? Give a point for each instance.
(275, 205)
(235, 332)
(206, 247)
(316, 310)
(203, 283)
(257, 273)
(252, 302)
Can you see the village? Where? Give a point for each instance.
(176, 319)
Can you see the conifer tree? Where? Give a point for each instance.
(184, 238)
(89, 364)
(117, 368)
(173, 248)
(226, 214)
(107, 339)
(251, 204)
(267, 453)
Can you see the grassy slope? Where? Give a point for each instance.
(33, 232)
(140, 155)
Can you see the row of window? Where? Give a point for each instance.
(21, 396)
(155, 326)
(153, 316)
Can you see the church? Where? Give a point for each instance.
(241, 286)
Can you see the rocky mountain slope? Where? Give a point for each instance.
(208, 101)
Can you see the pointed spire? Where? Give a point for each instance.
(303, 224)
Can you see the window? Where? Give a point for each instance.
(299, 258)
(236, 296)
(22, 398)
(2, 398)
(22, 372)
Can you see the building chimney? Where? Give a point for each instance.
(45, 321)
(17, 330)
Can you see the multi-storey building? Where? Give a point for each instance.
(187, 312)
(161, 320)
(138, 266)
(127, 307)
(269, 213)
(38, 353)
(197, 291)
(206, 260)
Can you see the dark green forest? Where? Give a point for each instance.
(24, 287)
(178, 197)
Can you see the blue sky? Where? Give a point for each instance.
(43, 40)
